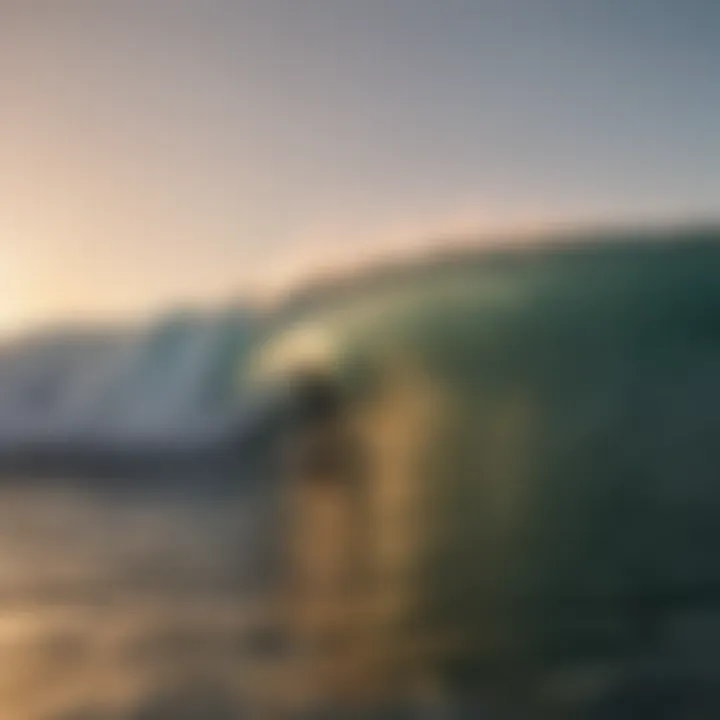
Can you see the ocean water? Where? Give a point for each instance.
(539, 502)
(133, 601)
(542, 496)
(156, 600)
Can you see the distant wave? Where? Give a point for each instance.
(170, 383)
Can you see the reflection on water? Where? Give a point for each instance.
(130, 603)
(152, 603)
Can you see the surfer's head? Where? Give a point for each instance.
(317, 396)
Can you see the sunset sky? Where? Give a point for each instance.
(163, 151)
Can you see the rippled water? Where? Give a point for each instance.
(152, 600)
(131, 603)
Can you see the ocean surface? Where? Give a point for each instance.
(570, 403)
(133, 600)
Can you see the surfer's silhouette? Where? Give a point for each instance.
(324, 469)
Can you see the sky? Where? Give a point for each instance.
(164, 152)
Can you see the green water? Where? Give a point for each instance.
(569, 498)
